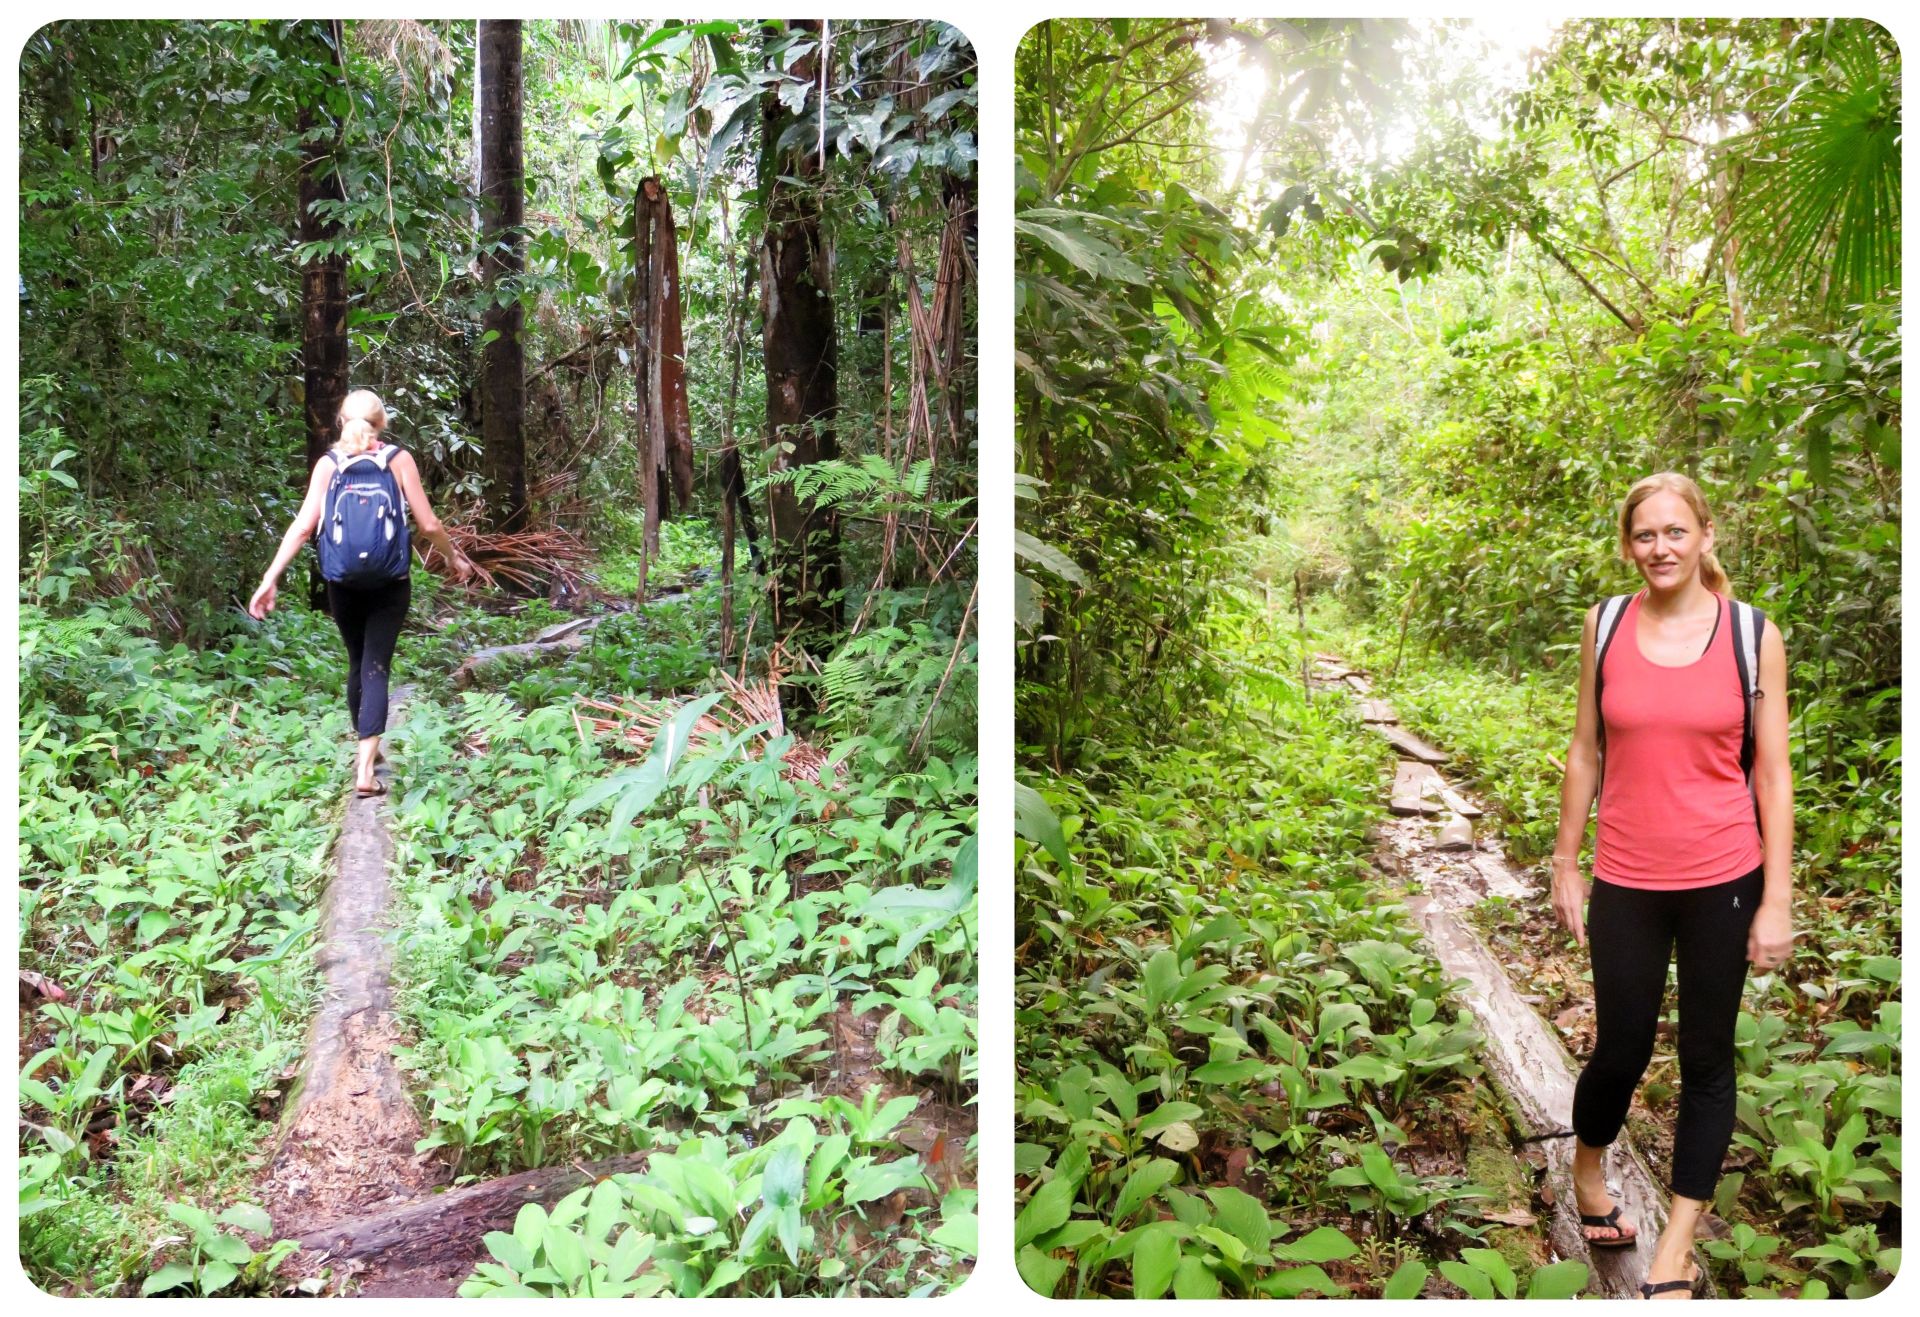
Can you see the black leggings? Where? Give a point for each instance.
(1634, 932)
(369, 621)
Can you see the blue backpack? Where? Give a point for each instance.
(363, 539)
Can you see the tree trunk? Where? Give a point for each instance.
(323, 280)
(503, 385)
(796, 301)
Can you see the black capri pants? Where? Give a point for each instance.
(1634, 933)
(369, 621)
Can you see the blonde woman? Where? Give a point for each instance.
(357, 499)
(1682, 735)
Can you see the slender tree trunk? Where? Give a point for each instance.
(1725, 184)
(796, 300)
(323, 280)
(646, 382)
(503, 385)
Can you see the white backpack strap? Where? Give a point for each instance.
(1611, 612)
(1749, 624)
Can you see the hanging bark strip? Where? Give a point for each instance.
(323, 279)
(660, 382)
(953, 275)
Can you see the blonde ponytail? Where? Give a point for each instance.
(356, 437)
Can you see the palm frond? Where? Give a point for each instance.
(1821, 192)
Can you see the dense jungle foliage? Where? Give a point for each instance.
(1331, 336)
(754, 956)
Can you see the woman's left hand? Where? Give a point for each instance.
(1770, 938)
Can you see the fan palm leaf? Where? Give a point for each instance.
(1821, 192)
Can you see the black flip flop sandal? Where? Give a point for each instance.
(1611, 1221)
(1650, 1288)
(379, 788)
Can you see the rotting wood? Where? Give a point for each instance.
(572, 636)
(347, 1143)
(1359, 683)
(1377, 711)
(1409, 745)
(1531, 1065)
(1456, 834)
(441, 1236)
(1458, 803)
(1413, 789)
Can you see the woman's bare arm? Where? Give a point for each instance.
(1771, 937)
(408, 473)
(1578, 786)
(298, 533)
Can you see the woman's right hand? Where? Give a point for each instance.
(262, 602)
(1570, 898)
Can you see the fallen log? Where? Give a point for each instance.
(443, 1233)
(562, 639)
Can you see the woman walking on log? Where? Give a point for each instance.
(354, 499)
(1682, 734)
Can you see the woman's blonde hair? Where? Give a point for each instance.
(1712, 574)
(356, 437)
(363, 405)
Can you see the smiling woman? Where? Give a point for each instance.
(1337, 342)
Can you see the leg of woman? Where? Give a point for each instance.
(1630, 934)
(386, 611)
(349, 611)
(1712, 955)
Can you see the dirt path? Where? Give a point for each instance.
(1451, 871)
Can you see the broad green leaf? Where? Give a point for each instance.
(1408, 1279)
(1558, 1280)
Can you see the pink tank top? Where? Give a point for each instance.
(1674, 806)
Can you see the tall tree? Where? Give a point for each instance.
(503, 384)
(800, 348)
(323, 279)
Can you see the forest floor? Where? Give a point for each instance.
(527, 1070)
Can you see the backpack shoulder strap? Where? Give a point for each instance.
(1749, 626)
(1611, 611)
(1605, 627)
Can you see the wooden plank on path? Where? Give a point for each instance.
(1377, 711)
(1458, 803)
(1414, 788)
(1359, 683)
(1409, 745)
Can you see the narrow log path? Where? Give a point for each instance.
(1430, 843)
(346, 1145)
(344, 1179)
